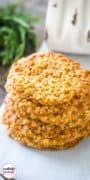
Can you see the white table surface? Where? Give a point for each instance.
(31, 164)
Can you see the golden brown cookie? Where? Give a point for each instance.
(49, 79)
(65, 114)
(48, 101)
(25, 135)
(45, 132)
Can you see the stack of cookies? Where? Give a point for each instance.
(48, 101)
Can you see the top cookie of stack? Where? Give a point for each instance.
(52, 89)
(49, 79)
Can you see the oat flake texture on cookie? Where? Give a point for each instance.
(48, 101)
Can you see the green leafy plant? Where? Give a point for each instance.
(17, 36)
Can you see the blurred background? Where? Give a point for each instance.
(37, 8)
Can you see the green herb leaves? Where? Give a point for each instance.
(17, 37)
